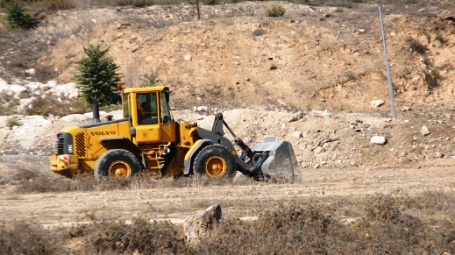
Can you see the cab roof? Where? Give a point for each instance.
(145, 89)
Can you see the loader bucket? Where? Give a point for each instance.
(281, 163)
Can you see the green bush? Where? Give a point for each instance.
(17, 16)
(275, 10)
(139, 3)
(209, 2)
(97, 75)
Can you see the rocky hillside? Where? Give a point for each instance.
(315, 76)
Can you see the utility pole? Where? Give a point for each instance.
(198, 13)
(387, 66)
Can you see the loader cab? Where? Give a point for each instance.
(149, 113)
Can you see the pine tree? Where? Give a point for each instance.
(17, 16)
(97, 75)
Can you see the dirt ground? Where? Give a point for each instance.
(324, 63)
(164, 202)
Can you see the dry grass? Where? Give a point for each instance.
(383, 224)
(29, 181)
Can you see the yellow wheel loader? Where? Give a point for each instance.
(147, 138)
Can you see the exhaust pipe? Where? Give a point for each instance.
(95, 110)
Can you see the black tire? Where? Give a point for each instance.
(117, 163)
(214, 161)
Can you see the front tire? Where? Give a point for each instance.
(117, 163)
(215, 161)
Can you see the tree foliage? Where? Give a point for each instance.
(97, 75)
(17, 16)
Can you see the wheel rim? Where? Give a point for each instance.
(215, 166)
(119, 169)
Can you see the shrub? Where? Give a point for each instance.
(258, 32)
(97, 75)
(416, 46)
(434, 72)
(13, 121)
(18, 17)
(139, 3)
(151, 79)
(209, 2)
(275, 10)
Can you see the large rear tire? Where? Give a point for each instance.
(117, 163)
(215, 161)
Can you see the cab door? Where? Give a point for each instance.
(150, 125)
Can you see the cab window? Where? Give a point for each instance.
(126, 105)
(165, 113)
(146, 108)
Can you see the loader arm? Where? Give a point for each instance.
(271, 159)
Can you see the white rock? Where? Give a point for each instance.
(74, 117)
(31, 71)
(26, 102)
(378, 140)
(14, 88)
(51, 84)
(188, 57)
(377, 102)
(425, 131)
(202, 109)
(326, 114)
(297, 134)
(34, 86)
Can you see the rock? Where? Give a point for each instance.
(425, 131)
(281, 102)
(297, 134)
(359, 31)
(26, 102)
(296, 116)
(74, 117)
(202, 109)
(16, 89)
(438, 154)
(326, 114)
(135, 48)
(378, 140)
(31, 72)
(406, 109)
(123, 25)
(377, 103)
(188, 57)
(318, 150)
(202, 226)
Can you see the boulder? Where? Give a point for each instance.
(203, 225)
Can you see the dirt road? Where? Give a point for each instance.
(241, 200)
